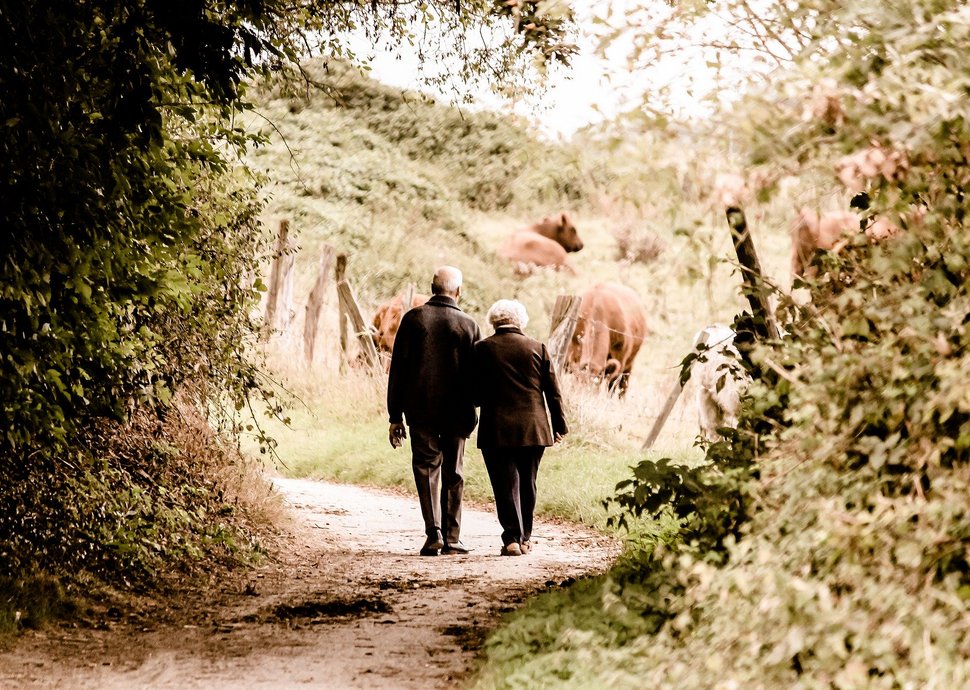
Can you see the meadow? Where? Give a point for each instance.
(396, 183)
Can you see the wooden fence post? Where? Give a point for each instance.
(671, 400)
(277, 274)
(350, 311)
(407, 298)
(340, 268)
(284, 304)
(565, 313)
(752, 279)
(314, 305)
(669, 403)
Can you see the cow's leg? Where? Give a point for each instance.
(615, 377)
(623, 382)
(729, 401)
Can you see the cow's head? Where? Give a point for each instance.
(385, 337)
(612, 375)
(566, 234)
(387, 321)
(560, 229)
(609, 375)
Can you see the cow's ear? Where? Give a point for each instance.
(565, 220)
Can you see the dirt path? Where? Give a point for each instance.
(348, 604)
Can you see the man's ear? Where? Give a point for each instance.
(458, 293)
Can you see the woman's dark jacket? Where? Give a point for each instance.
(514, 382)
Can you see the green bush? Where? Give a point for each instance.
(128, 237)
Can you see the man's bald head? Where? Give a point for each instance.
(446, 281)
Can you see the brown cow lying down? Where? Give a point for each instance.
(719, 380)
(544, 244)
(387, 319)
(610, 329)
(830, 231)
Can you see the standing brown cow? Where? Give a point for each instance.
(544, 244)
(387, 319)
(610, 329)
(830, 231)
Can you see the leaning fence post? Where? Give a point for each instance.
(671, 400)
(752, 279)
(665, 411)
(350, 311)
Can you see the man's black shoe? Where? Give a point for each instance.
(432, 544)
(455, 547)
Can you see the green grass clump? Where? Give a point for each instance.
(579, 635)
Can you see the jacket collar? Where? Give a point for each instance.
(443, 301)
(508, 329)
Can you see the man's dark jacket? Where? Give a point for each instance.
(430, 378)
(514, 381)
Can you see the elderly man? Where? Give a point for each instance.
(514, 384)
(429, 384)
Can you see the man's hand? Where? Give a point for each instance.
(396, 435)
(558, 438)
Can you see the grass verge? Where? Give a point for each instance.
(340, 435)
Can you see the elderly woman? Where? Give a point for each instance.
(515, 381)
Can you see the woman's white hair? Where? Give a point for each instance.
(508, 312)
